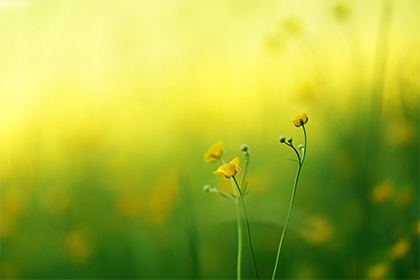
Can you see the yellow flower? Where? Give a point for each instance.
(214, 152)
(300, 120)
(400, 249)
(228, 170)
(382, 192)
(378, 271)
(417, 228)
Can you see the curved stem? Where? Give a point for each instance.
(306, 143)
(297, 153)
(292, 200)
(223, 194)
(247, 227)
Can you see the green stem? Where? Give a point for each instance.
(239, 259)
(292, 200)
(247, 227)
(223, 194)
(238, 223)
(306, 143)
(297, 153)
(245, 171)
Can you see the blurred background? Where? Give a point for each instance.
(107, 108)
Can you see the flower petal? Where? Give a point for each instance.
(221, 174)
(296, 121)
(214, 152)
(304, 118)
(235, 162)
(300, 120)
(227, 170)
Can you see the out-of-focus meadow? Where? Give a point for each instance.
(107, 108)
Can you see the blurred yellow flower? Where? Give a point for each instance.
(130, 204)
(163, 197)
(78, 247)
(417, 228)
(378, 271)
(293, 26)
(340, 11)
(317, 229)
(382, 192)
(404, 196)
(214, 152)
(228, 170)
(400, 249)
(13, 204)
(300, 120)
(400, 133)
(8, 271)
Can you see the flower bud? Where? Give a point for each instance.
(208, 188)
(290, 140)
(301, 147)
(282, 139)
(244, 148)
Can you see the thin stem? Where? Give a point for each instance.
(306, 143)
(293, 147)
(223, 194)
(239, 258)
(245, 171)
(238, 223)
(292, 200)
(247, 227)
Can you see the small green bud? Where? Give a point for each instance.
(301, 147)
(244, 148)
(208, 188)
(290, 140)
(282, 139)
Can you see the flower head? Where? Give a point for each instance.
(244, 148)
(228, 170)
(214, 152)
(300, 120)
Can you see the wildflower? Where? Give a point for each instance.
(378, 271)
(207, 188)
(400, 249)
(417, 228)
(340, 11)
(78, 247)
(293, 26)
(228, 170)
(382, 192)
(300, 120)
(214, 152)
(317, 230)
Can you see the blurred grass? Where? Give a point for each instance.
(108, 108)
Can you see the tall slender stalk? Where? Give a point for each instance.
(247, 226)
(238, 223)
(300, 161)
(239, 226)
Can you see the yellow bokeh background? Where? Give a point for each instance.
(107, 108)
